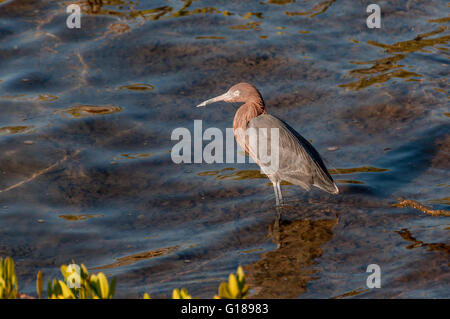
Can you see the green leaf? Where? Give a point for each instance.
(112, 288)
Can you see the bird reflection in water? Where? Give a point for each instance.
(285, 271)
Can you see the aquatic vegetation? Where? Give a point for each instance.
(440, 20)
(153, 14)
(317, 9)
(119, 28)
(417, 44)
(234, 175)
(351, 293)
(445, 200)
(248, 15)
(385, 69)
(406, 234)
(97, 286)
(322, 7)
(247, 26)
(137, 87)
(423, 208)
(347, 181)
(45, 97)
(183, 11)
(89, 110)
(128, 260)
(15, 129)
(79, 217)
(104, 6)
(166, 11)
(132, 156)
(362, 169)
(280, 2)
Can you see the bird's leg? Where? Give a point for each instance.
(280, 199)
(275, 189)
(276, 227)
(276, 224)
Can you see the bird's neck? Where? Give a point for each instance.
(246, 113)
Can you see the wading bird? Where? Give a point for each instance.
(298, 162)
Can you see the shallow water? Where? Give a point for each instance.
(87, 115)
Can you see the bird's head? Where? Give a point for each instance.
(241, 92)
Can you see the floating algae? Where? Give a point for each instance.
(235, 175)
(15, 129)
(71, 217)
(423, 208)
(362, 169)
(387, 68)
(90, 110)
(137, 87)
(128, 260)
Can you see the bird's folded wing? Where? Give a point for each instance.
(298, 161)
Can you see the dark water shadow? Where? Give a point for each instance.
(408, 162)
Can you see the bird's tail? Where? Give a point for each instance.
(329, 188)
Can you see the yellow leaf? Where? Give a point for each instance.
(223, 291)
(240, 274)
(184, 294)
(64, 271)
(104, 288)
(67, 293)
(84, 271)
(176, 294)
(233, 286)
(39, 284)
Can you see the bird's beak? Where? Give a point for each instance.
(215, 99)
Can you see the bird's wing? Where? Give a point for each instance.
(298, 161)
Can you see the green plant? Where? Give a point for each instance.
(79, 284)
(235, 288)
(181, 294)
(146, 296)
(39, 284)
(84, 285)
(8, 280)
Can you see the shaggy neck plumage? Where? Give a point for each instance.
(247, 112)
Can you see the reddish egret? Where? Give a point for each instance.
(298, 161)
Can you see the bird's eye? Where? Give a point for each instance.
(236, 93)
